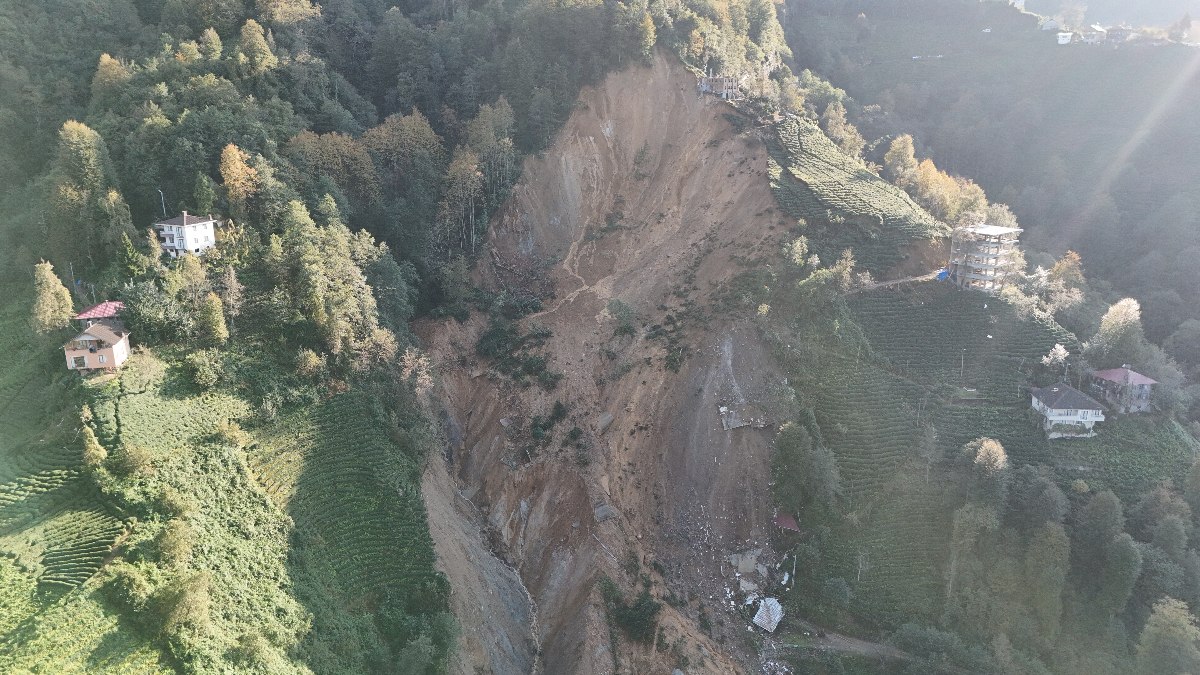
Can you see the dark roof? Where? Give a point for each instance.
(107, 330)
(186, 218)
(787, 522)
(103, 310)
(1123, 376)
(1066, 397)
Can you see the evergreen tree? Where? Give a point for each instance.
(204, 195)
(240, 180)
(254, 54)
(210, 322)
(900, 162)
(52, 306)
(210, 45)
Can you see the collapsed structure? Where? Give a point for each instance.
(983, 256)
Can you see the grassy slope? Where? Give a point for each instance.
(878, 377)
(879, 220)
(308, 508)
(54, 529)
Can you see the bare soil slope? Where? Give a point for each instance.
(650, 198)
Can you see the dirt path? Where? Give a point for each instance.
(896, 282)
(835, 642)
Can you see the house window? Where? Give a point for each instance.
(79, 362)
(206, 238)
(1083, 414)
(103, 359)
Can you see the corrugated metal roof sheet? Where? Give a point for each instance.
(104, 310)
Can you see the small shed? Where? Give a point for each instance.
(769, 614)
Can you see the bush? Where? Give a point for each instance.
(308, 362)
(205, 368)
(129, 585)
(94, 454)
(637, 619)
(130, 460)
(175, 542)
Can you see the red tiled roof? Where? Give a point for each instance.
(104, 310)
(1123, 376)
(787, 522)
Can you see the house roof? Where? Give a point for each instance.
(1123, 376)
(108, 331)
(1066, 397)
(769, 614)
(787, 522)
(186, 218)
(993, 230)
(104, 310)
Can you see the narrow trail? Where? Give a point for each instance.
(836, 642)
(896, 282)
(570, 265)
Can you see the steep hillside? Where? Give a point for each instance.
(846, 206)
(642, 210)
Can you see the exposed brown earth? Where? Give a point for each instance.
(650, 197)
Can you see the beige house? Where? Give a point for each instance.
(1067, 412)
(103, 343)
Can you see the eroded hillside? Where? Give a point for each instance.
(630, 228)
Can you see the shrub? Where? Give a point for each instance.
(131, 460)
(231, 432)
(308, 362)
(94, 454)
(175, 542)
(184, 603)
(129, 585)
(638, 619)
(205, 368)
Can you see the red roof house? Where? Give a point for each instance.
(1125, 390)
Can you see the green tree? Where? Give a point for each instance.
(52, 307)
(806, 475)
(210, 322)
(969, 522)
(133, 264)
(111, 75)
(210, 45)
(900, 161)
(840, 130)
(254, 54)
(204, 194)
(1100, 519)
(1120, 339)
(1120, 571)
(1047, 560)
(1170, 642)
(87, 213)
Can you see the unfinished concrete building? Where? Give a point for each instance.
(982, 256)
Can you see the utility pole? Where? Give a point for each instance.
(962, 364)
(164, 202)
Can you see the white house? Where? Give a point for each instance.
(187, 233)
(1065, 38)
(1094, 34)
(1067, 412)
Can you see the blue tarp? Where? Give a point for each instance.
(943, 275)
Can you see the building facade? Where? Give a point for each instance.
(982, 256)
(103, 344)
(1067, 412)
(187, 233)
(1125, 390)
(724, 86)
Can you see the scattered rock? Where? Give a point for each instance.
(603, 422)
(605, 512)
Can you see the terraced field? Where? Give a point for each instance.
(849, 206)
(360, 539)
(55, 529)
